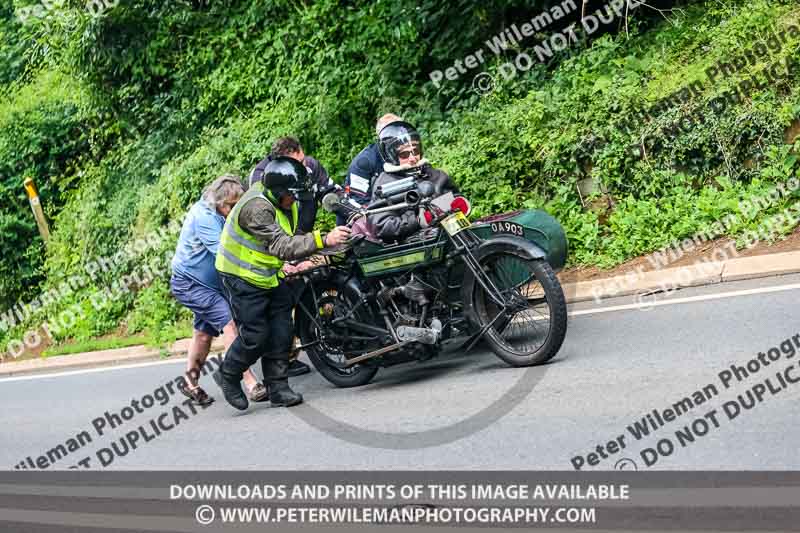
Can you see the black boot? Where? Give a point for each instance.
(298, 368)
(231, 388)
(276, 376)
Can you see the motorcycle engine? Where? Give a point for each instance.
(409, 302)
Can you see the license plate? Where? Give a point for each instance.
(508, 227)
(455, 223)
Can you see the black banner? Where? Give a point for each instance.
(369, 501)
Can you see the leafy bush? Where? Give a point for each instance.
(43, 135)
(123, 119)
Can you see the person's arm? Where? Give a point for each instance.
(359, 177)
(321, 184)
(307, 216)
(320, 179)
(258, 219)
(392, 225)
(442, 181)
(258, 172)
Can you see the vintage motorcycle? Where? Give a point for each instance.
(451, 285)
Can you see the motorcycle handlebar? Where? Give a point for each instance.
(407, 200)
(411, 198)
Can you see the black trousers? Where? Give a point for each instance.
(263, 318)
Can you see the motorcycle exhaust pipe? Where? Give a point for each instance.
(376, 353)
(394, 188)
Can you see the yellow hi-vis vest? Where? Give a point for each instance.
(242, 255)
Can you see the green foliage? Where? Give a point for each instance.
(154, 310)
(12, 46)
(125, 117)
(112, 343)
(42, 135)
(581, 121)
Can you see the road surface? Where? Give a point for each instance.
(619, 363)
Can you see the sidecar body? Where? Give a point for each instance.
(426, 248)
(531, 224)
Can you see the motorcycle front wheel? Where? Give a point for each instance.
(525, 312)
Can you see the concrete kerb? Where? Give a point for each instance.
(761, 266)
(117, 357)
(742, 268)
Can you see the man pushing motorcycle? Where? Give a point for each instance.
(259, 235)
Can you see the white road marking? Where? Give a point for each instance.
(690, 299)
(628, 307)
(91, 370)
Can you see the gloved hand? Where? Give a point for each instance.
(409, 223)
(338, 236)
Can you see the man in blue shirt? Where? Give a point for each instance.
(195, 283)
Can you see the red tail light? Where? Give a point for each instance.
(462, 204)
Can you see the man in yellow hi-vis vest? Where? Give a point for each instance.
(259, 236)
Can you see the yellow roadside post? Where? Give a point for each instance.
(36, 206)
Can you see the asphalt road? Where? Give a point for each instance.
(468, 412)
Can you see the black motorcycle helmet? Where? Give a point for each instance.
(393, 136)
(286, 176)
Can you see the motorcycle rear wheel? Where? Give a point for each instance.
(532, 329)
(322, 355)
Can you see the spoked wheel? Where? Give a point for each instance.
(327, 355)
(525, 310)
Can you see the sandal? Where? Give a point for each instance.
(259, 393)
(197, 395)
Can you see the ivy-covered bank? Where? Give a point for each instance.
(655, 129)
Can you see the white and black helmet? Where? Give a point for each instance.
(395, 135)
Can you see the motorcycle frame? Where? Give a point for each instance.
(464, 243)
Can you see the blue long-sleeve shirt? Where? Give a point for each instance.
(198, 244)
(363, 171)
